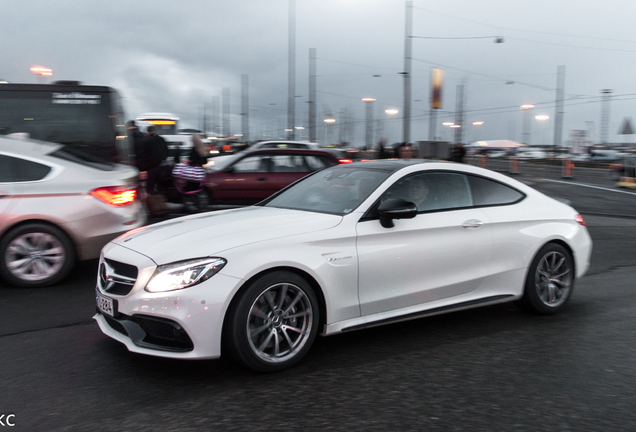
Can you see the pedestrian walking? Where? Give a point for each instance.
(137, 138)
(156, 151)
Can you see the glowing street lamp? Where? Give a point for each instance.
(40, 70)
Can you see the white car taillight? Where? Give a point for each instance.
(115, 196)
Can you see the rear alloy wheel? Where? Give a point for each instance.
(35, 255)
(550, 280)
(274, 322)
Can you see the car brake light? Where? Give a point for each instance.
(342, 161)
(579, 219)
(115, 196)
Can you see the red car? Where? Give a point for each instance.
(251, 176)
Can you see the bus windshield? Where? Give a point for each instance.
(86, 118)
(165, 123)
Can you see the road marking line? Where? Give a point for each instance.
(590, 186)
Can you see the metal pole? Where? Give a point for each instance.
(459, 114)
(226, 111)
(369, 132)
(216, 115)
(312, 94)
(245, 120)
(605, 115)
(291, 71)
(406, 133)
(526, 126)
(558, 115)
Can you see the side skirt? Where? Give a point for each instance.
(435, 311)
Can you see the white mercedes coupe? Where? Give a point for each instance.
(345, 248)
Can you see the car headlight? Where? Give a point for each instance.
(184, 274)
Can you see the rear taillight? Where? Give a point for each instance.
(342, 161)
(115, 196)
(579, 219)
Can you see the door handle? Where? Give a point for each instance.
(473, 223)
(261, 179)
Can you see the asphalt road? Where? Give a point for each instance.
(489, 369)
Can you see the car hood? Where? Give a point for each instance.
(214, 232)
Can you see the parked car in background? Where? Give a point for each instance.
(348, 155)
(538, 154)
(282, 144)
(59, 205)
(249, 177)
(603, 155)
(350, 247)
(497, 154)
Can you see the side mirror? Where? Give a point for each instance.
(229, 169)
(395, 208)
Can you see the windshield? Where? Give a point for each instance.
(337, 190)
(91, 121)
(164, 127)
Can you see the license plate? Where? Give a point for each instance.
(106, 305)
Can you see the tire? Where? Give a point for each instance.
(36, 255)
(273, 323)
(550, 280)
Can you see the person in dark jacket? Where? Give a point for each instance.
(156, 151)
(137, 138)
(458, 153)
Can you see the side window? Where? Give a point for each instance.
(252, 164)
(433, 191)
(487, 192)
(283, 163)
(14, 169)
(315, 163)
(5, 169)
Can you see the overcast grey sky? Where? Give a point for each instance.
(176, 56)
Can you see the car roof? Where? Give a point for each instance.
(274, 151)
(285, 142)
(391, 164)
(22, 146)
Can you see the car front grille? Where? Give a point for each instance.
(116, 277)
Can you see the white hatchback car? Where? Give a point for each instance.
(351, 246)
(58, 205)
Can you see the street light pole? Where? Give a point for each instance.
(369, 132)
(526, 122)
(406, 132)
(291, 72)
(312, 94)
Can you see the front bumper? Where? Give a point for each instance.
(184, 324)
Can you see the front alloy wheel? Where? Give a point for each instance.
(274, 323)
